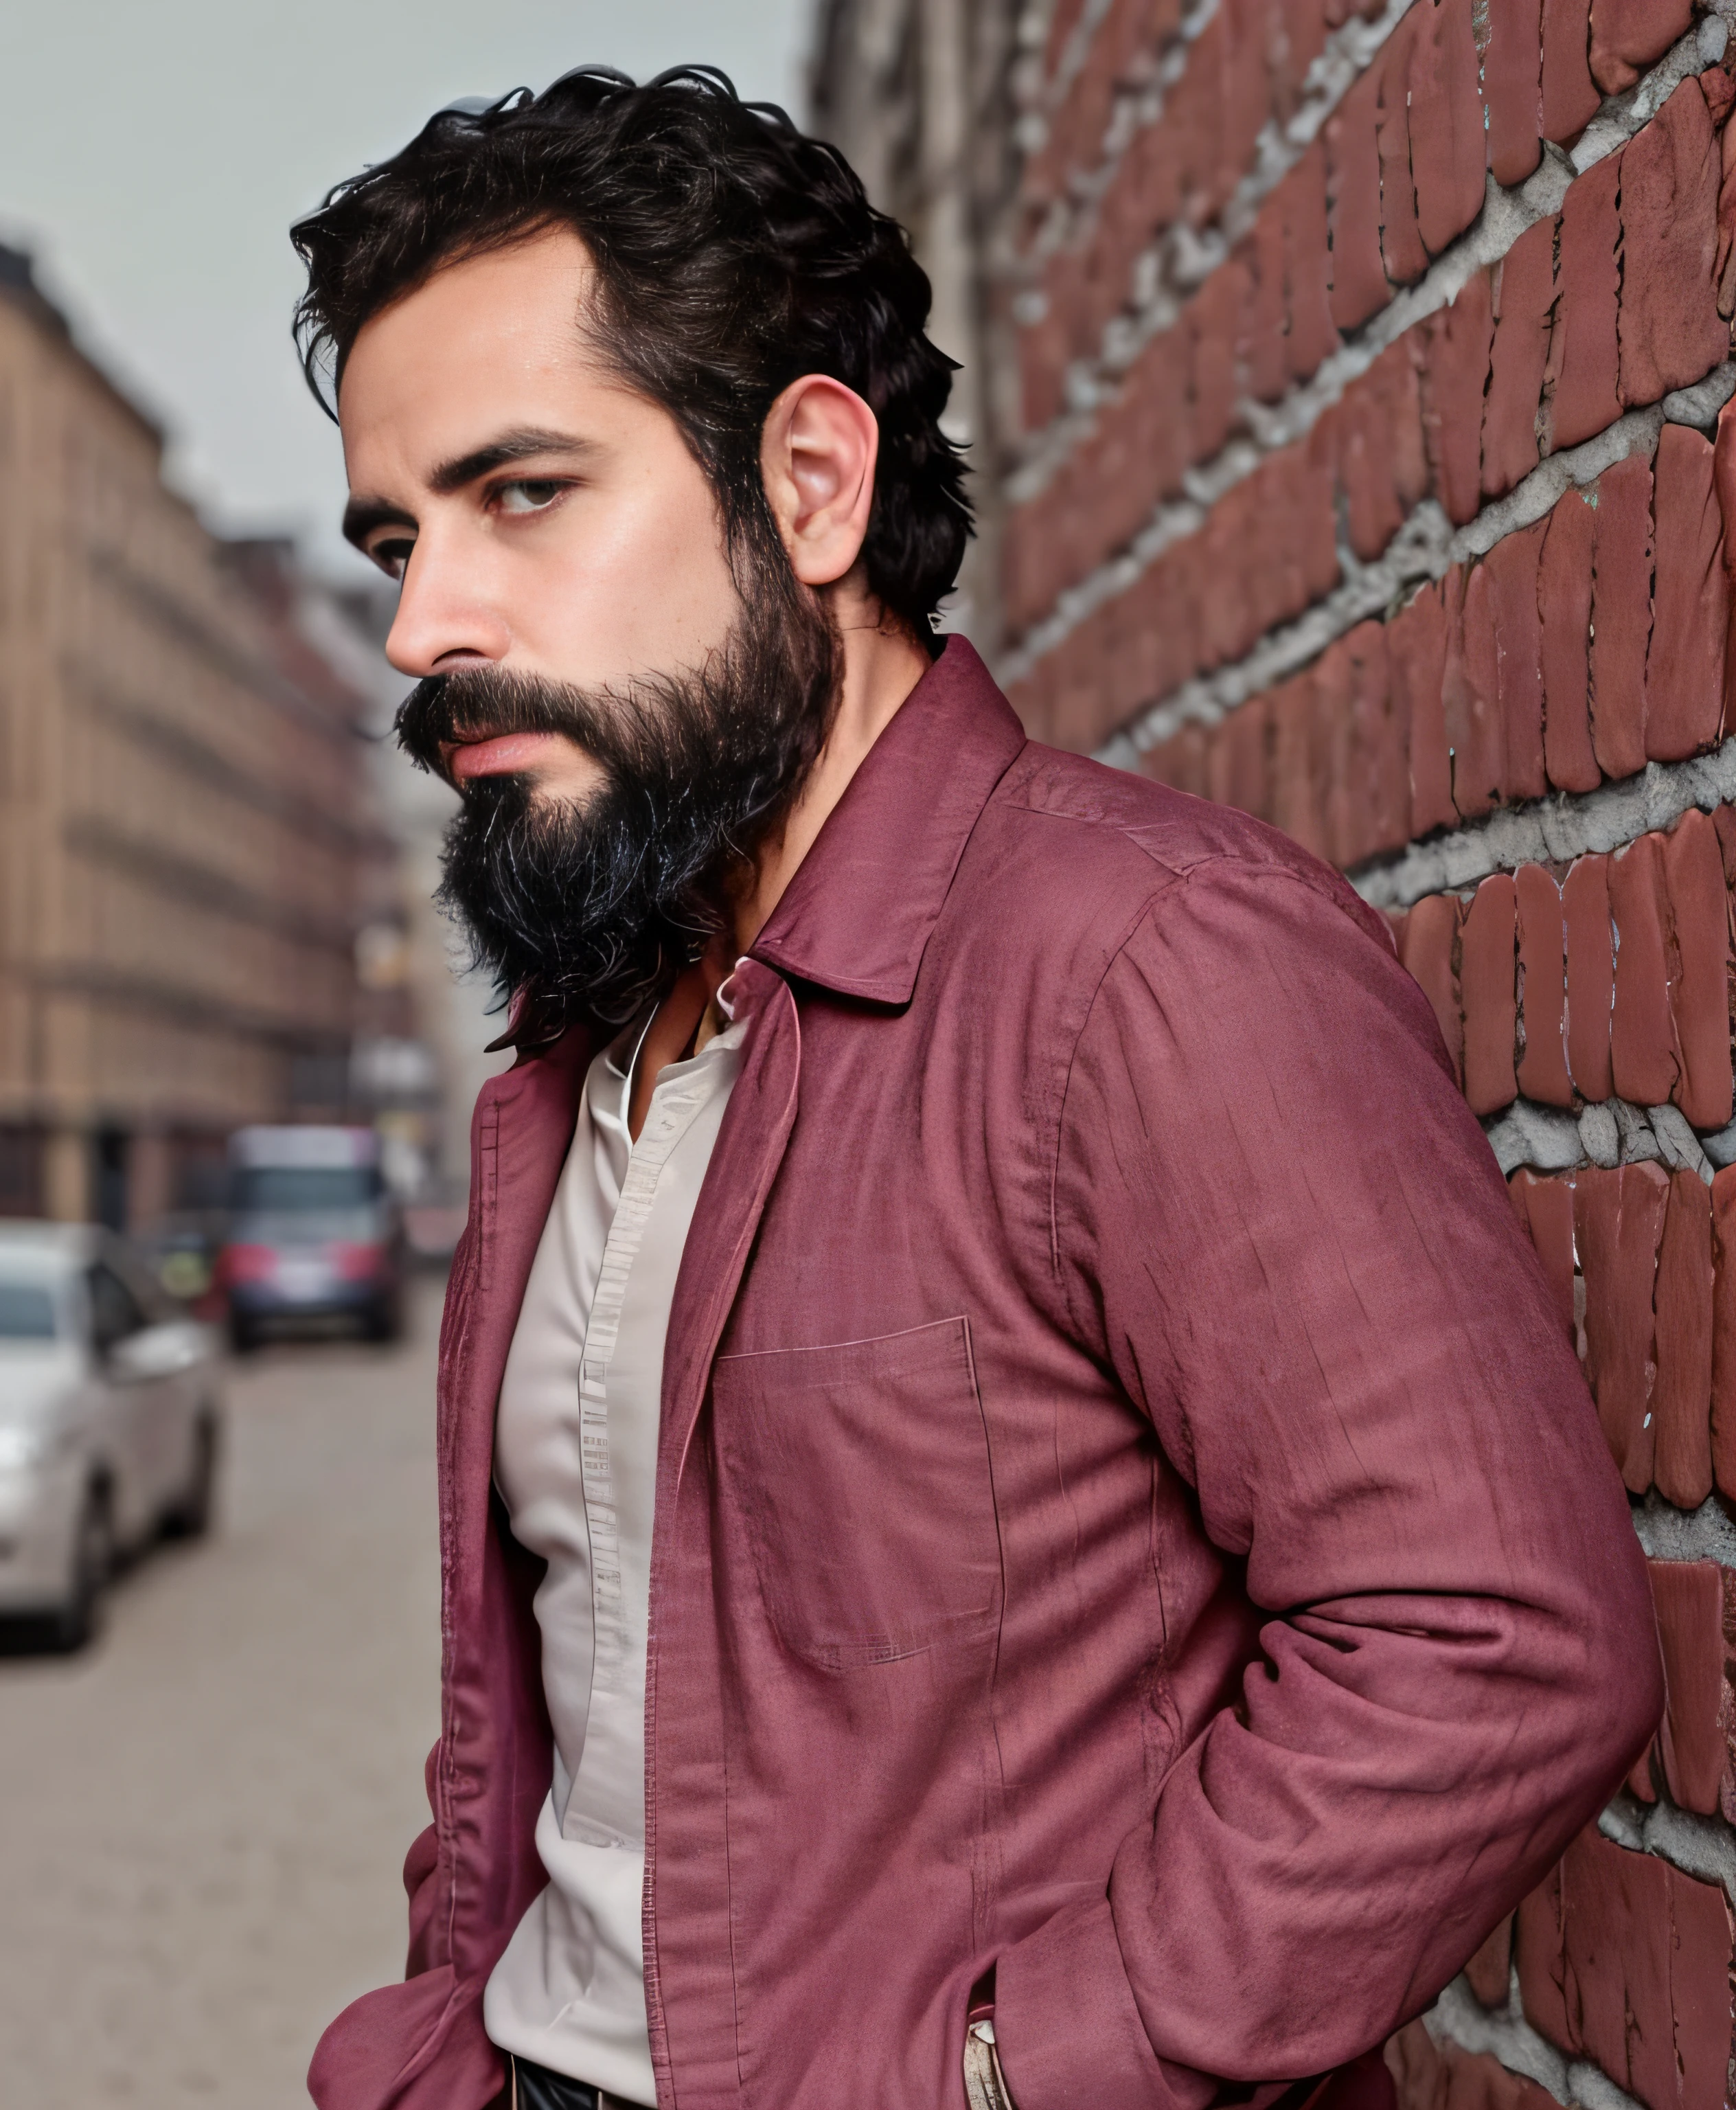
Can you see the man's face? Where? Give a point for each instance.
(545, 518)
(626, 715)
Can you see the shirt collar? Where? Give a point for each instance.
(858, 913)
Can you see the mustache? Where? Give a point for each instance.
(474, 703)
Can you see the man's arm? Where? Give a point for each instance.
(1279, 1223)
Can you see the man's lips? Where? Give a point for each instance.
(496, 757)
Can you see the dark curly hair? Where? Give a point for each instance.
(733, 254)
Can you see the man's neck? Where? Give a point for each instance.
(882, 664)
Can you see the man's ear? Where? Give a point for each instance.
(817, 453)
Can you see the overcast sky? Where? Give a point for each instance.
(153, 153)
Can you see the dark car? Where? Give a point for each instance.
(314, 1234)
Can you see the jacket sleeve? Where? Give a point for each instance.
(1279, 1223)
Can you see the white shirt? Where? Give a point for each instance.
(575, 1462)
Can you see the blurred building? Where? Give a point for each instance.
(188, 849)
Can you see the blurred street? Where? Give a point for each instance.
(202, 1819)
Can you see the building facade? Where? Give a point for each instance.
(1359, 445)
(186, 847)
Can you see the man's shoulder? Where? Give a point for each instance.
(1075, 836)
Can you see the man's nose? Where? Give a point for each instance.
(441, 622)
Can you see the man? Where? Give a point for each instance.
(1016, 1523)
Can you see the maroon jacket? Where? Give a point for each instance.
(1127, 1510)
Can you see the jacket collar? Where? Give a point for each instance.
(858, 913)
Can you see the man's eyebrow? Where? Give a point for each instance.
(515, 447)
(362, 516)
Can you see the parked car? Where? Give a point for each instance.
(110, 1418)
(314, 1232)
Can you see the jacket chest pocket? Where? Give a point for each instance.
(862, 1474)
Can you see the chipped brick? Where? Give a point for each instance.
(1513, 567)
(1688, 1595)
(1448, 147)
(1581, 380)
(1401, 242)
(1523, 290)
(1546, 1207)
(1627, 36)
(1311, 335)
(1691, 620)
(1643, 1052)
(1512, 88)
(1618, 1225)
(1591, 974)
(1564, 603)
(1430, 945)
(1681, 1392)
(1571, 97)
(1724, 1331)
(1418, 650)
(1381, 466)
(1486, 982)
(1621, 616)
(1724, 485)
(1259, 339)
(1470, 694)
(1699, 965)
(1455, 349)
(1359, 287)
(1669, 328)
(1542, 981)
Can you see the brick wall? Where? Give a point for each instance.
(1374, 377)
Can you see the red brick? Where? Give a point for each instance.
(1381, 466)
(1723, 483)
(1543, 982)
(1430, 954)
(1681, 1392)
(1571, 97)
(1691, 618)
(1724, 1331)
(1259, 335)
(1621, 616)
(1512, 88)
(1670, 332)
(1699, 958)
(1628, 35)
(1214, 318)
(1401, 242)
(1546, 1209)
(1237, 770)
(1625, 1960)
(1564, 603)
(1486, 983)
(1513, 568)
(1524, 295)
(1723, 269)
(1311, 336)
(1359, 287)
(1417, 648)
(1470, 694)
(1419, 2073)
(1179, 762)
(1294, 39)
(1584, 365)
(1591, 974)
(1455, 349)
(1688, 1595)
(1618, 1225)
(1448, 147)
(1299, 788)
(1381, 743)
(1643, 1052)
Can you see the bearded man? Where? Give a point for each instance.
(1017, 1523)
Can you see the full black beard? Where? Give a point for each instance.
(590, 910)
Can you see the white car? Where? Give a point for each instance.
(110, 1418)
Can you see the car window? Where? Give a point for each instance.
(26, 1311)
(274, 1189)
(114, 1311)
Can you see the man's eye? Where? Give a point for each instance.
(392, 555)
(533, 494)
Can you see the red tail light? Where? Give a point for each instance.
(242, 1263)
(355, 1263)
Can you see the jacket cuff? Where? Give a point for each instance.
(1068, 2030)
